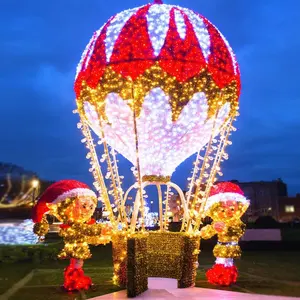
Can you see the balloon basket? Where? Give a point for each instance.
(154, 254)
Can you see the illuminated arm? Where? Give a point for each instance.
(237, 230)
(92, 230)
(207, 232)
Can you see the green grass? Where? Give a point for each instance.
(46, 285)
(269, 273)
(290, 234)
(10, 274)
(272, 273)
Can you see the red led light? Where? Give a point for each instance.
(222, 275)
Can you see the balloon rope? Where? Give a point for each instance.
(96, 170)
(139, 177)
(199, 181)
(214, 169)
(166, 218)
(113, 173)
(161, 223)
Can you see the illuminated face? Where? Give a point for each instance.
(81, 210)
(227, 210)
(78, 210)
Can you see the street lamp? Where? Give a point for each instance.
(34, 184)
(151, 202)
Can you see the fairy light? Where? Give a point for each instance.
(157, 84)
(214, 169)
(20, 234)
(189, 102)
(112, 173)
(167, 208)
(97, 172)
(225, 206)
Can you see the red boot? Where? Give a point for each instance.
(74, 278)
(222, 275)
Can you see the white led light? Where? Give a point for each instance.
(21, 234)
(114, 29)
(227, 262)
(87, 53)
(180, 24)
(163, 144)
(223, 197)
(200, 31)
(230, 51)
(158, 19)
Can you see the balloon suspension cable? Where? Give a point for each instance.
(112, 174)
(166, 218)
(160, 206)
(137, 203)
(139, 176)
(224, 136)
(96, 170)
(119, 187)
(202, 176)
(193, 178)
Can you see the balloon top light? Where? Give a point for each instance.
(157, 84)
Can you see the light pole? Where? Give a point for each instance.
(34, 184)
(151, 204)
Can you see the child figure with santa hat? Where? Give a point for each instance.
(72, 203)
(225, 206)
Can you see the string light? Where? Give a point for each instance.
(162, 95)
(73, 207)
(20, 234)
(225, 206)
(156, 84)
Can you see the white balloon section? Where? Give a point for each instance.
(163, 144)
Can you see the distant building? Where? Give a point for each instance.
(264, 198)
(289, 209)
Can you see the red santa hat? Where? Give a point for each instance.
(224, 191)
(59, 192)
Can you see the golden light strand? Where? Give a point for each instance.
(96, 170)
(112, 172)
(139, 176)
(215, 168)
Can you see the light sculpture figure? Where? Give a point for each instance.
(157, 84)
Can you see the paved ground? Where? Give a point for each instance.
(162, 288)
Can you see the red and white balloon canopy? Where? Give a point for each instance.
(181, 41)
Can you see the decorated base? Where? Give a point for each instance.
(154, 254)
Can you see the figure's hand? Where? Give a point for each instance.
(106, 230)
(219, 226)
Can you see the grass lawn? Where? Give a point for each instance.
(273, 273)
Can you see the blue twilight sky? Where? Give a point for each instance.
(42, 42)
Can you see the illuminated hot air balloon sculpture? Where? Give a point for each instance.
(157, 84)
